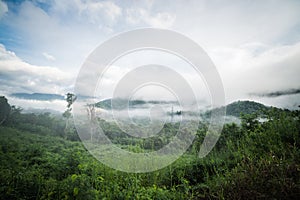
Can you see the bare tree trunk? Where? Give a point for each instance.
(92, 119)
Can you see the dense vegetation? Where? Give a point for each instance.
(42, 158)
(245, 107)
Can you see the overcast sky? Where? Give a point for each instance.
(255, 45)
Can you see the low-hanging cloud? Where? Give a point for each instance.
(252, 55)
(38, 96)
(277, 93)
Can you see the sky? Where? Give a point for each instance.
(255, 45)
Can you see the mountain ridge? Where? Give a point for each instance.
(38, 96)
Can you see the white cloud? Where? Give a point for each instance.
(255, 45)
(48, 56)
(161, 20)
(95, 12)
(57, 105)
(138, 16)
(64, 30)
(3, 8)
(7, 55)
(230, 24)
(111, 10)
(244, 71)
(19, 76)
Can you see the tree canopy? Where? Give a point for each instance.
(4, 109)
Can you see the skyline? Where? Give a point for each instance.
(254, 45)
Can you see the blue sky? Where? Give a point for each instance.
(255, 45)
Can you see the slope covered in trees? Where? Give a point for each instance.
(245, 107)
(239, 108)
(254, 160)
(119, 103)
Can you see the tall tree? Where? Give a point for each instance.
(4, 109)
(70, 98)
(92, 119)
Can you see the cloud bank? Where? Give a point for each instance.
(254, 44)
(277, 93)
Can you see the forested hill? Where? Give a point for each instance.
(233, 109)
(245, 107)
(119, 103)
(42, 158)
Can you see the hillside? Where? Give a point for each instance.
(38, 96)
(41, 158)
(39, 162)
(120, 104)
(246, 107)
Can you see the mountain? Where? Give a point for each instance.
(40, 111)
(233, 109)
(120, 103)
(246, 107)
(38, 96)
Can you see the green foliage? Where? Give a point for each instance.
(266, 178)
(243, 107)
(118, 103)
(4, 109)
(71, 98)
(257, 160)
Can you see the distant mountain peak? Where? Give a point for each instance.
(119, 103)
(243, 106)
(38, 96)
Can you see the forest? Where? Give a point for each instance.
(42, 158)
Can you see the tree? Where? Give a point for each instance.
(92, 119)
(4, 109)
(71, 98)
(69, 129)
(249, 122)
